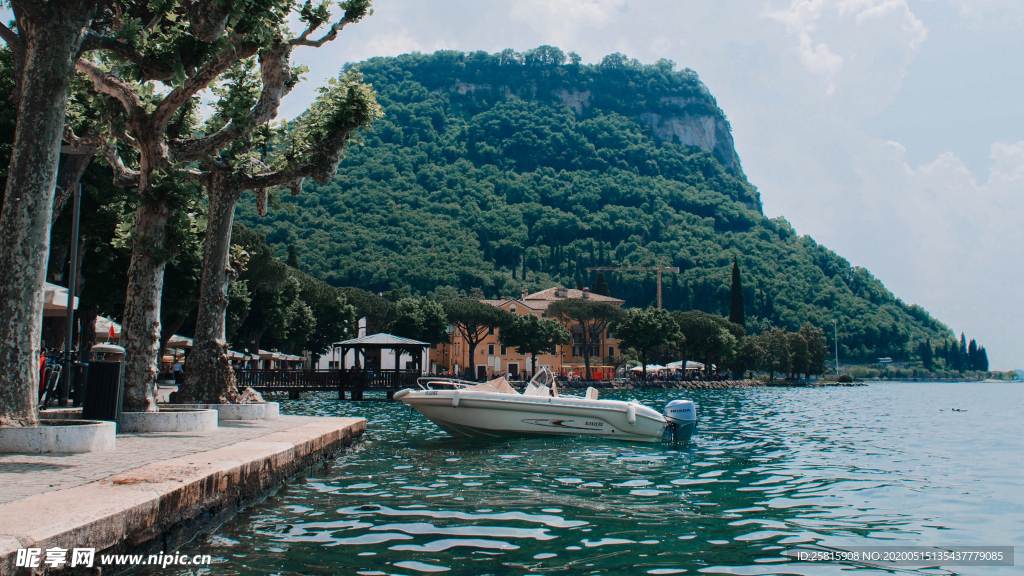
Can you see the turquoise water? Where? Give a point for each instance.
(770, 470)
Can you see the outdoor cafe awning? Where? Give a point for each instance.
(55, 300)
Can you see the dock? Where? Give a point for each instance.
(155, 491)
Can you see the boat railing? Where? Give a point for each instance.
(428, 382)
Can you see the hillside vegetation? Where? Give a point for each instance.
(504, 172)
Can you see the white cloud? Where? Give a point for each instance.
(562, 21)
(937, 236)
(804, 19)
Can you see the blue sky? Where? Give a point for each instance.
(892, 131)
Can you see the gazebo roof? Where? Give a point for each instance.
(379, 341)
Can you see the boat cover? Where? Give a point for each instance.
(496, 385)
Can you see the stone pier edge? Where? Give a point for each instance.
(161, 506)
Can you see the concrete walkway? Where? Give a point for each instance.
(155, 490)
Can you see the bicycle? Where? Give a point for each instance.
(50, 373)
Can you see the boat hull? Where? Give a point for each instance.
(480, 414)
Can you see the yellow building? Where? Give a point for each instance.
(493, 359)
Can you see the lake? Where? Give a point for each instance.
(769, 470)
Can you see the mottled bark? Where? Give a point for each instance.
(50, 35)
(70, 173)
(141, 322)
(209, 377)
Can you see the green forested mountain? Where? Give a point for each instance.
(504, 172)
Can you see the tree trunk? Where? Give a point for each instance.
(586, 349)
(87, 334)
(209, 378)
(52, 33)
(70, 173)
(170, 328)
(472, 358)
(142, 307)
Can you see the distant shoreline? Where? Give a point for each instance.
(704, 385)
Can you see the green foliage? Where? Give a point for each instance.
(641, 331)
(708, 337)
(776, 352)
(464, 186)
(474, 319)
(592, 317)
(737, 315)
(420, 319)
(532, 336)
(600, 285)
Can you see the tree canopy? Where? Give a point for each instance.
(511, 171)
(532, 336)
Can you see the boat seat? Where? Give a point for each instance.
(591, 393)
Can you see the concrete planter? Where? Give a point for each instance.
(264, 411)
(61, 414)
(58, 437)
(168, 420)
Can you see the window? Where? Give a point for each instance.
(611, 350)
(611, 336)
(595, 351)
(504, 350)
(512, 308)
(490, 349)
(575, 351)
(491, 330)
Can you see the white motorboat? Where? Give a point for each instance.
(496, 409)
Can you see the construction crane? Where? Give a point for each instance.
(658, 269)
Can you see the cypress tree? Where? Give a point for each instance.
(600, 285)
(579, 281)
(972, 355)
(293, 256)
(962, 357)
(926, 354)
(736, 313)
(982, 359)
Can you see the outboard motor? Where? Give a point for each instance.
(682, 419)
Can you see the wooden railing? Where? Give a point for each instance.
(326, 379)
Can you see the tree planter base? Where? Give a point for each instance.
(58, 437)
(61, 414)
(263, 411)
(168, 420)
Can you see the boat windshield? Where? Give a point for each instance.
(544, 377)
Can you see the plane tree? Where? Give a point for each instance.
(312, 148)
(643, 331)
(591, 316)
(533, 336)
(148, 149)
(474, 320)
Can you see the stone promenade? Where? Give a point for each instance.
(155, 490)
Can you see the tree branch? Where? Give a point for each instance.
(354, 13)
(111, 85)
(207, 18)
(152, 69)
(199, 81)
(91, 139)
(10, 36)
(123, 176)
(276, 75)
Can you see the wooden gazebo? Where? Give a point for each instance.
(379, 343)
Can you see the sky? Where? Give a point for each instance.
(891, 131)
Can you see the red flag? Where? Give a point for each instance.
(111, 331)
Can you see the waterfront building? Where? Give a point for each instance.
(493, 359)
